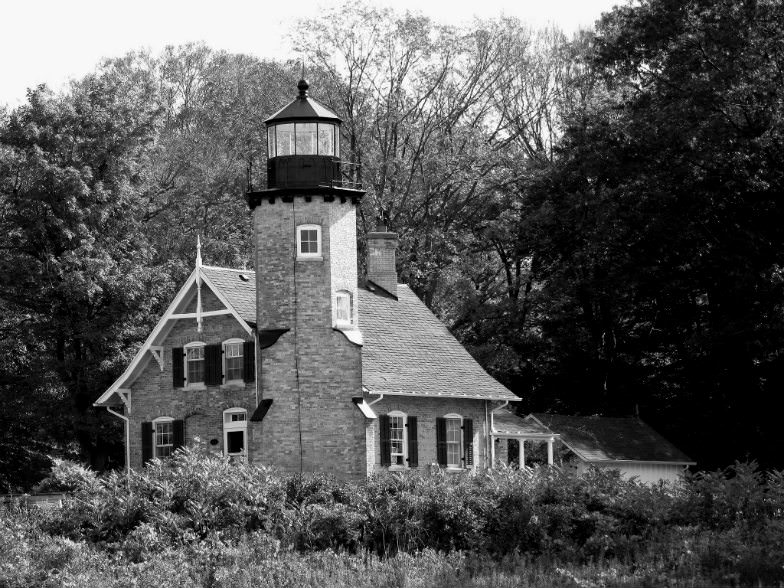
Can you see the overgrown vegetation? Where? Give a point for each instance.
(200, 520)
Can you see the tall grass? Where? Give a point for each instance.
(198, 520)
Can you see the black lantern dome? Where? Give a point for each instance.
(303, 144)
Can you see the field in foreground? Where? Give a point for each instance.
(200, 521)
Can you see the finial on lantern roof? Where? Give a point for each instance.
(303, 86)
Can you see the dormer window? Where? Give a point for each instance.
(308, 241)
(343, 312)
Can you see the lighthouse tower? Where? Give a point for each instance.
(304, 227)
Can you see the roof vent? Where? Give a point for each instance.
(244, 277)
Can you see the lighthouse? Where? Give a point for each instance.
(309, 337)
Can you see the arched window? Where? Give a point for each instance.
(235, 432)
(344, 311)
(308, 241)
(233, 360)
(163, 436)
(194, 360)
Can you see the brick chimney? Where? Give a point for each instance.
(381, 259)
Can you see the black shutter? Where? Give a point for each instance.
(385, 430)
(146, 442)
(178, 427)
(178, 372)
(468, 442)
(413, 445)
(249, 361)
(441, 441)
(213, 365)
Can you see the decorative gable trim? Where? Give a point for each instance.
(170, 314)
(157, 353)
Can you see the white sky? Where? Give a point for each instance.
(52, 41)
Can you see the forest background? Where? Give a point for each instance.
(597, 218)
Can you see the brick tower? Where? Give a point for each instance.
(310, 368)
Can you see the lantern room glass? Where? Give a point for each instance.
(303, 139)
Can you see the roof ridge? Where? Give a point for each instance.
(228, 269)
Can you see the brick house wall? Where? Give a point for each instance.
(427, 410)
(153, 394)
(312, 371)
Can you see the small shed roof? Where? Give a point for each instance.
(602, 439)
(508, 424)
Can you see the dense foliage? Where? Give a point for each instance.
(202, 519)
(597, 219)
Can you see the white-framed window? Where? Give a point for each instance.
(454, 440)
(308, 241)
(235, 432)
(344, 312)
(194, 363)
(398, 439)
(163, 437)
(232, 360)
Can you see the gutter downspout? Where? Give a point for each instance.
(379, 399)
(127, 439)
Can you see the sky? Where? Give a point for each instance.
(53, 41)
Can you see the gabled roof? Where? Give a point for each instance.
(239, 288)
(408, 351)
(230, 289)
(607, 439)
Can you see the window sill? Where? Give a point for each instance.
(196, 386)
(310, 258)
(398, 468)
(233, 385)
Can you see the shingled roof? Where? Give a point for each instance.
(601, 439)
(408, 351)
(239, 288)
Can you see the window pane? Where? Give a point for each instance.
(235, 442)
(164, 439)
(326, 138)
(337, 140)
(453, 439)
(343, 307)
(284, 139)
(271, 142)
(308, 241)
(195, 357)
(306, 139)
(396, 437)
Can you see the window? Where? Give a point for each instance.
(235, 429)
(326, 139)
(308, 241)
(306, 138)
(232, 354)
(271, 141)
(399, 447)
(454, 441)
(194, 358)
(284, 139)
(343, 310)
(454, 437)
(163, 437)
(397, 437)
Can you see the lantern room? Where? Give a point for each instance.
(303, 144)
